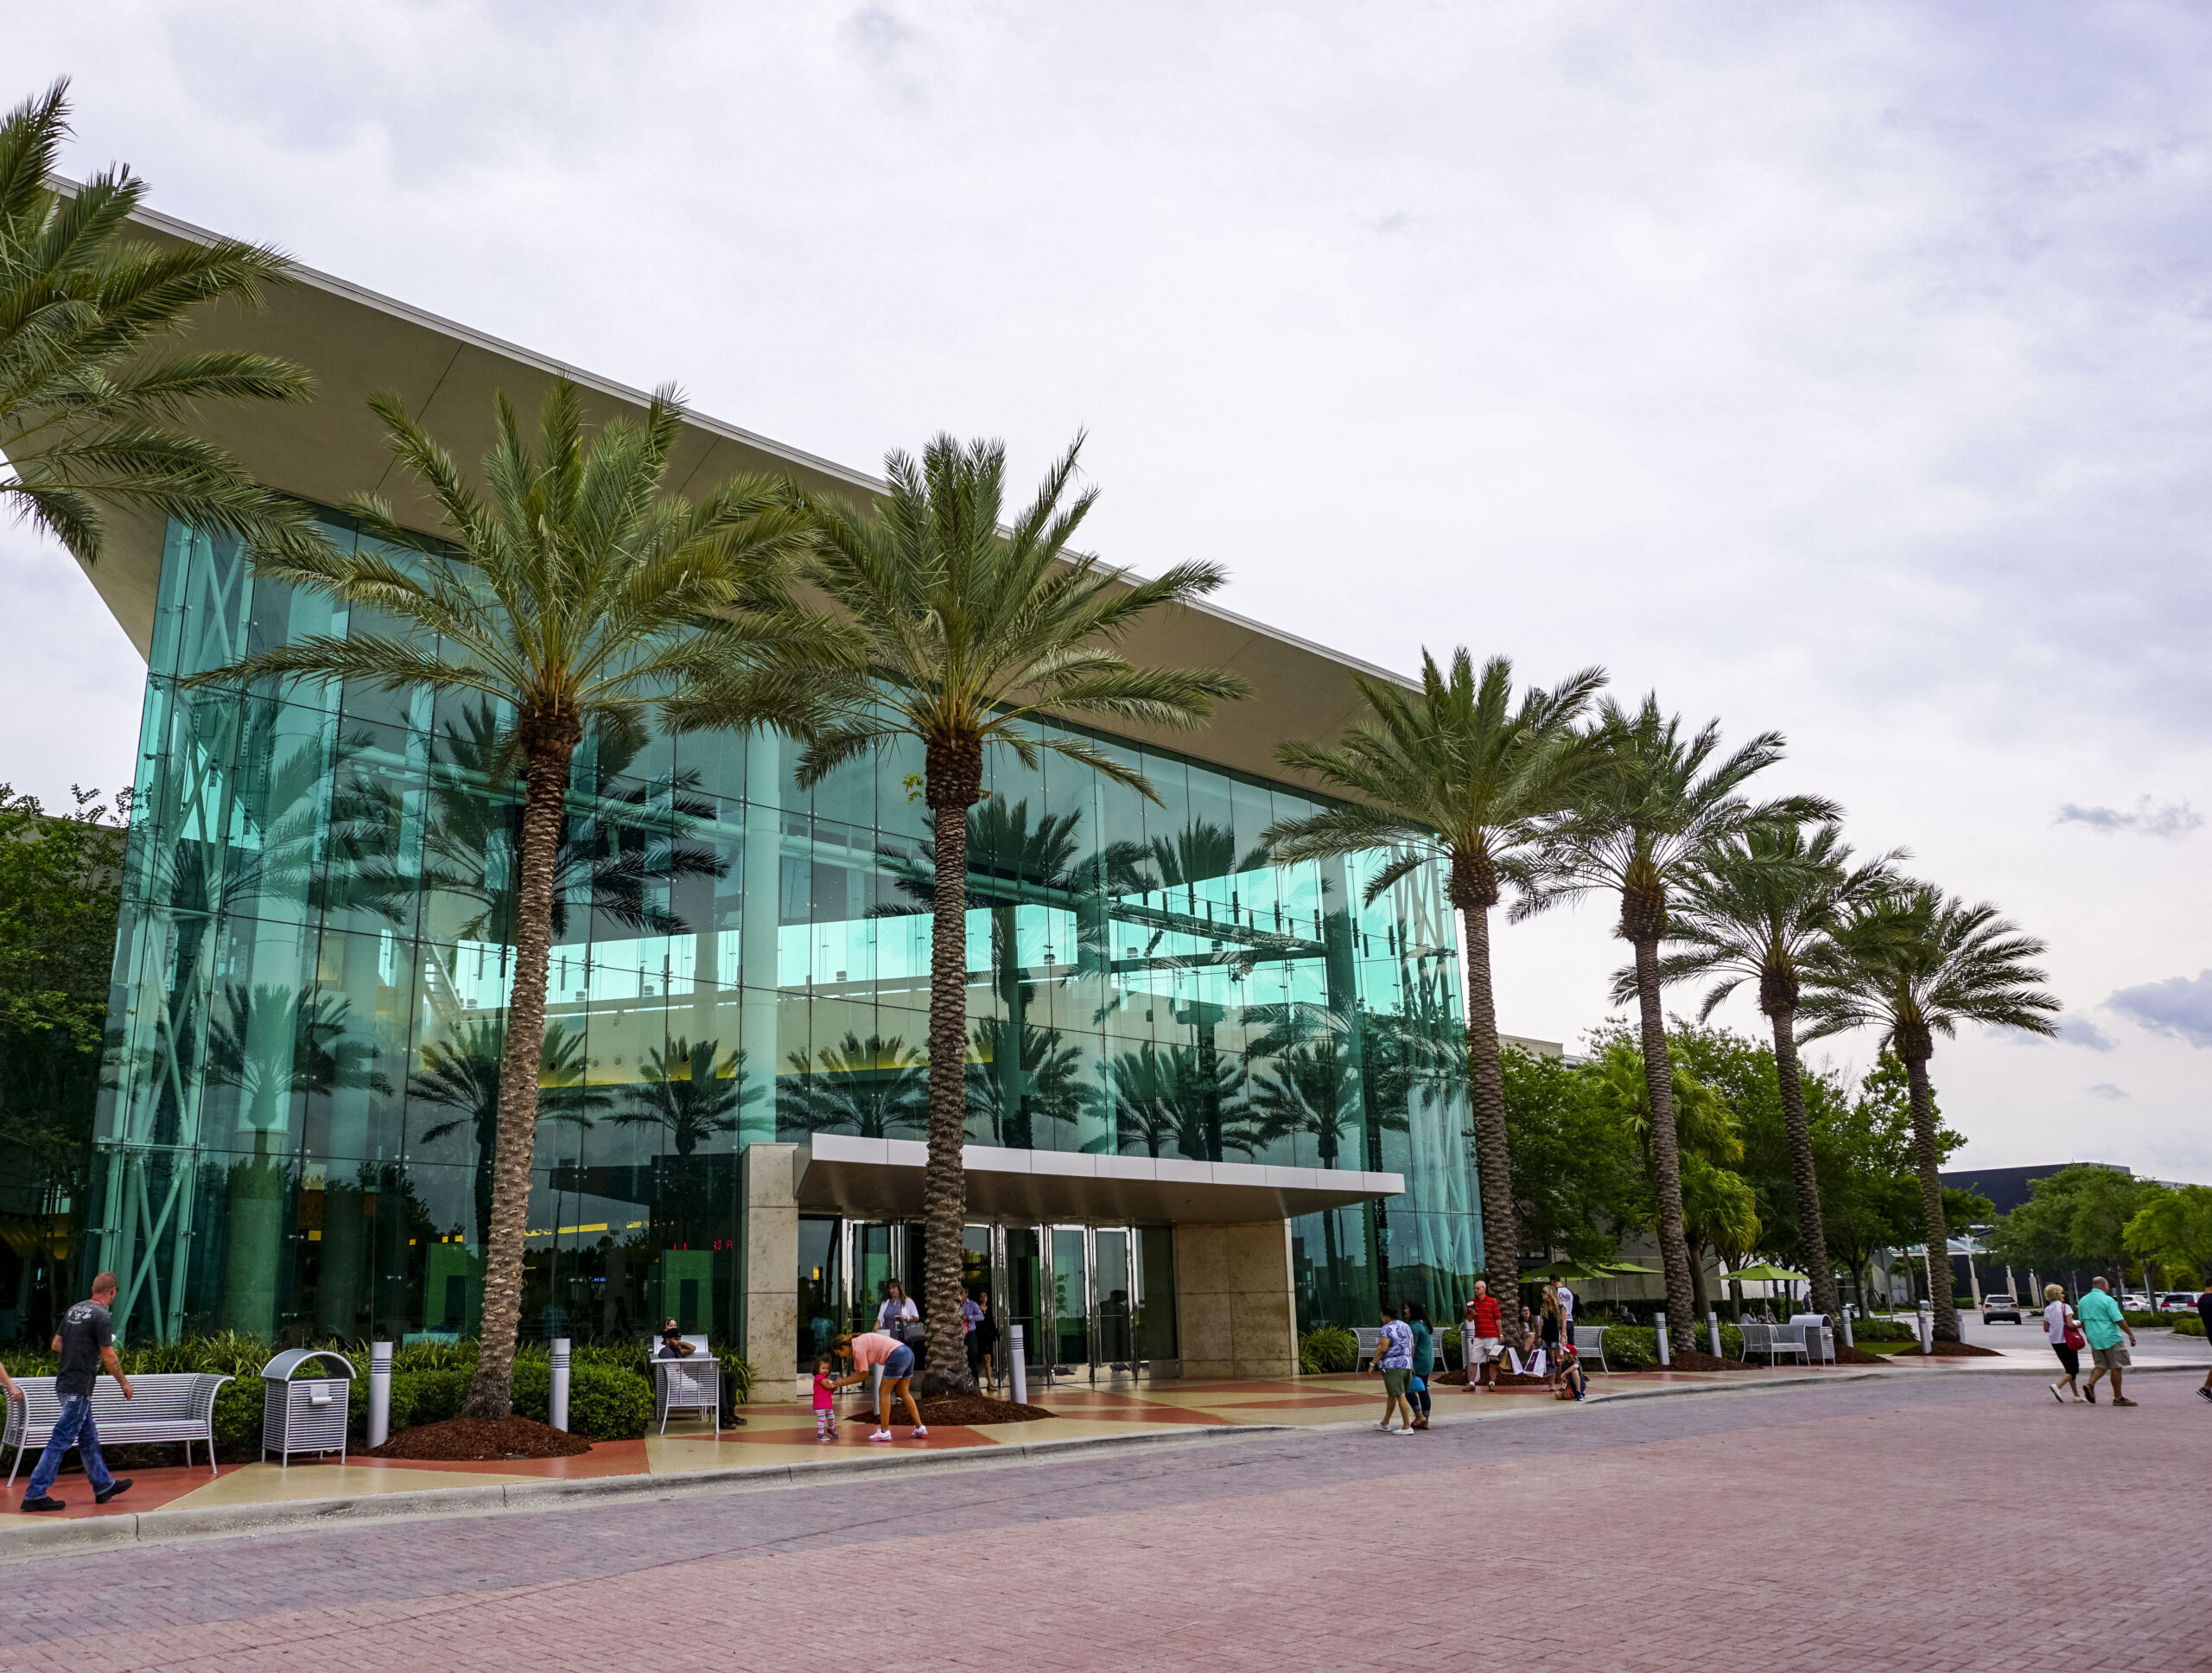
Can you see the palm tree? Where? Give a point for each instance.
(83, 405)
(1648, 821)
(1182, 1096)
(972, 631)
(693, 1093)
(1916, 962)
(1760, 903)
(577, 593)
(1459, 775)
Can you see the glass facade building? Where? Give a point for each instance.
(294, 1139)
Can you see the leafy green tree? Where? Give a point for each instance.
(1761, 901)
(1915, 963)
(1719, 1209)
(1662, 806)
(2175, 1229)
(86, 404)
(2077, 1217)
(1870, 1194)
(1576, 1184)
(1459, 775)
(971, 630)
(60, 877)
(580, 592)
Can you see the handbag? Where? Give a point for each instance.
(2074, 1337)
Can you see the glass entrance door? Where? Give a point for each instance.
(1072, 1299)
(1115, 1296)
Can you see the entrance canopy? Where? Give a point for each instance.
(878, 1179)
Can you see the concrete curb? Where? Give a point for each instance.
(67, 1539)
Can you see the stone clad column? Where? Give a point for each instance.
(1237, 1315)
(770, 1196)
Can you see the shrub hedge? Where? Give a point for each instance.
(1882, 1330)
(2187, 1324)
(1328, 1349)
(610, 1392)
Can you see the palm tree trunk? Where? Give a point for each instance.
(1931, 1199)
(1812, 1237)
(1493, 1157)
(953, 778)
(549, 744)
(1666, 1153)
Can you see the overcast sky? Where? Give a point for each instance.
(1835, 368)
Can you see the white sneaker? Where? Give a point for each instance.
(921, 1432)
(880, 1434)
(1384, 1426)
(2056, 1395)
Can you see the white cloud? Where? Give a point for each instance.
(2148, 818)
(2105, 1089)
(2180, 1006)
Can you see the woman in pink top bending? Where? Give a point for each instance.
(875, 1347)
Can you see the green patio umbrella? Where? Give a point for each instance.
(1765, 1273)
(1629, 1269)
(1570, 1269)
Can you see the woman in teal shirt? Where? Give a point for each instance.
(1424, 1364)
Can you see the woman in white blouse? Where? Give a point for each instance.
(2057, 1319)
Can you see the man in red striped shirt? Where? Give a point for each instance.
(1482, 1330)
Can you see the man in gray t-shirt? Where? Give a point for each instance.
(86, 1343)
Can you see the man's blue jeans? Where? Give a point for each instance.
(74, 1428)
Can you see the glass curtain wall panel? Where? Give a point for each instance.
(316, 949)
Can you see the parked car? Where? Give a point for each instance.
(2176, 1301)
(2135, 1302)
(1994, 1307)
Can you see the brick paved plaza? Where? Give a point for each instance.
(1936, 1524)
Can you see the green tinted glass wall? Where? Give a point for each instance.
(314, 954)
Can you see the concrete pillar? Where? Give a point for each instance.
(1237, 1315)
(769, 1193)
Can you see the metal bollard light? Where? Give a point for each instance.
(1017, 1366)
(1927, 1328)
(1713, 1328)
(557, 1404)
(1666, 1351)
(1847, 1342)
(379, 1393)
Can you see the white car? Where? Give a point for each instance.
(1994, 1307)
(2176, 1301)
(2135, 1301)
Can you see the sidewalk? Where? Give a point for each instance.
(781, 1438)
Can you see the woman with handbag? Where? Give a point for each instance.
(2063, 1331)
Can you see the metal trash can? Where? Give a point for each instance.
(304, 1414)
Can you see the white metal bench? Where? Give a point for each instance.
(1370, 1337)
(1589, 1345)
(693, 1383)
(172, 1406)
(1774, 1341)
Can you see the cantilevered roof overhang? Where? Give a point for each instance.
(882, 1179)
(356, 342)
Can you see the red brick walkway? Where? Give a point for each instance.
(1852, 1526)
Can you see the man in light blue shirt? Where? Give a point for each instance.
(2104, 1324)
(1394, 1363)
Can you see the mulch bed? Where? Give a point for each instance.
(970, 1409)
(1850, 1356)
(482, 1439)
(1964, 1351)
(1693, 1360)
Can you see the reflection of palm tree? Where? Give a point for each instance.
(1200, 851)
(1181, 1097)
(269, 1048)
(683, 1091)
(1050, 1075)
(1040, 864)
(463, 1074)
(639, 838)
(877, 1088)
